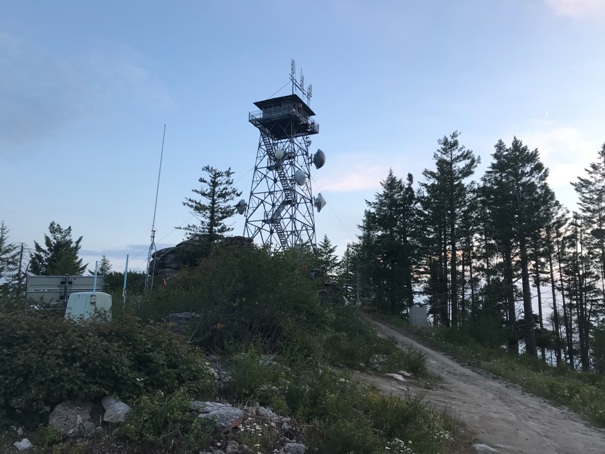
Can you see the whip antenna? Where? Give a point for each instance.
(152, 248)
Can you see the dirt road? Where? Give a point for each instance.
(501, 414)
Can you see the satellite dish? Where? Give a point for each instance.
(319, 159)
(279, 154)
(320, 202)
(241, 206)
(300, 177)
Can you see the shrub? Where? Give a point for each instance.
(165, 423)
(353, 343)
(47, 361)
(245, 294)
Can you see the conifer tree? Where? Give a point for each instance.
(518, 202)
(9, 261)
(447, 193)
(326, 257)
(214, 207)
(386, 244)
(60, 254)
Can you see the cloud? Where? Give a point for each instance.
(121, 74)
(567, 152)
(40, 93)
(578, 8)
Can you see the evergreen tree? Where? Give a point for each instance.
(9, 261)
(60, 254)
(213, 208)
(518, 202)
(447, 199)
(386, 245)
(104, 267)
(591, 201)
(328, 261)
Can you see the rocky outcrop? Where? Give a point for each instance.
(225, 416)
(169, 261)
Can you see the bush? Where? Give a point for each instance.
(243, 295)
(165, 423)
(353, 343)
(46, 361)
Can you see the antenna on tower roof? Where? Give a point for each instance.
(299, 85)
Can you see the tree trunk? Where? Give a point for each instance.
(529, 330)
(555, 310)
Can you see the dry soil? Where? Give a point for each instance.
(501, 414)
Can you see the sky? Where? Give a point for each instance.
(86, 88)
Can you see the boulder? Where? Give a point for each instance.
(72, 419)
(294, 448)
(115, 411)
(23, 445)
(225, 416)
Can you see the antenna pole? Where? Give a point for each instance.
(152, 248)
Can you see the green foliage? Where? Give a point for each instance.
(328, 262)
(353, 343)
(9, 262)
(583, 392)
(45, 436)
(48, 360)
(60, 254)
(598, 349)
(245, 294)
(165, 423)
(386, 253)
(104, 267)
(255, 377)
(214, 207)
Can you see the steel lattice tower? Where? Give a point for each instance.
(279, 212)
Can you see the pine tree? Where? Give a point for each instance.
(104, 267)
(213, 208)
(518, 202)
(9, 261)
(448, 197)
(326, 257)
(386, 245)
(60, 254)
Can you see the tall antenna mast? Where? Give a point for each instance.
(152, 248)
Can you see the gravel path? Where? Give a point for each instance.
(501, 414)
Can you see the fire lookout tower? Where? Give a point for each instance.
(280, 208)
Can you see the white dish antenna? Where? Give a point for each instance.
(300, 177)
(279, 154)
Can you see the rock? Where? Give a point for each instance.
(23, 445)
(483, 448)
(115, 411)
(294, 448)
(405, 374)
(72, 419)
(232, 447)
(398, 377)
(225, 416)
(265, 412)
(179, 322)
